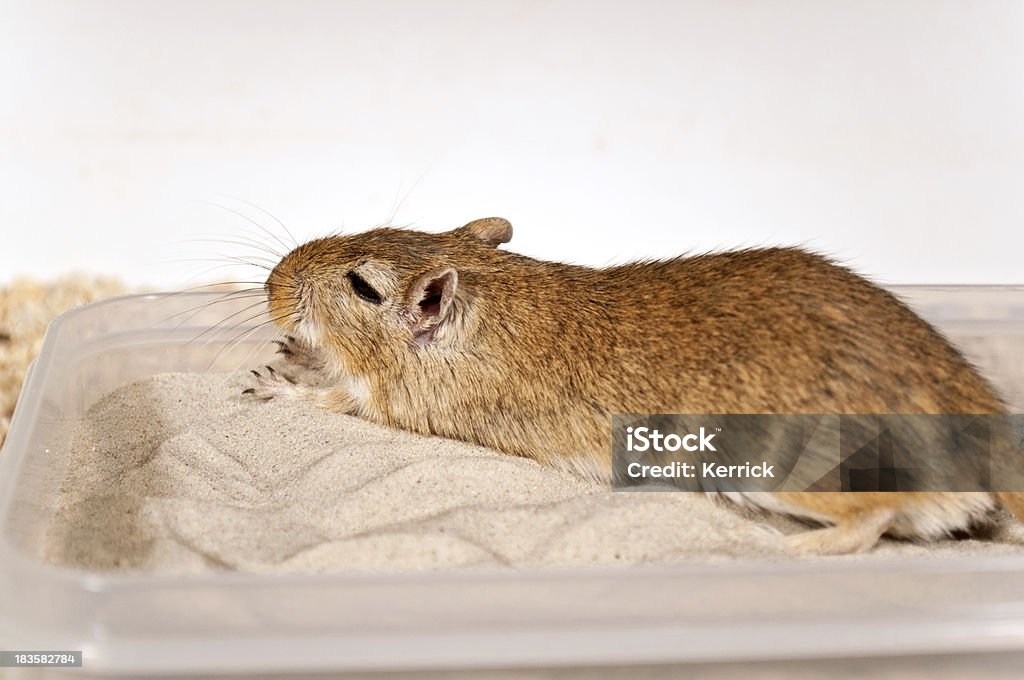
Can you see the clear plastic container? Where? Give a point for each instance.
(138, 624)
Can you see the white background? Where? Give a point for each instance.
(890, 134)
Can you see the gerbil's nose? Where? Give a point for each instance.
(284, 294)
(271, 283)
(283, 276)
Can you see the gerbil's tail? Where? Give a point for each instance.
(1014, 502)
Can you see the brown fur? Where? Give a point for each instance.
(532, 357)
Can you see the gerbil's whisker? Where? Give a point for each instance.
(247, 359)
(231, 261)
(239, 240)
(192, 289)
(240, 338)
(268, 214)
(236, 325)
(257, 348)
(228, 296)
(191, 312)
(398, 206)
(223, 266)
(249, 259)
(258, 254)
(251, 221)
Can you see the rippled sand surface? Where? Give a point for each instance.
(181, 473)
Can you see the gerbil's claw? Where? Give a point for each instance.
(300, 354)
(272, 384)
(274, 374)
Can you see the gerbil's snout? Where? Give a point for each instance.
(284, 287)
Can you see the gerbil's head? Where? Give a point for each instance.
(366, 296)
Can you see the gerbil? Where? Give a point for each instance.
(446, 334)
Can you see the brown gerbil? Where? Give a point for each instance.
(447, 334)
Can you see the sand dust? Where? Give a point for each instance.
(181, 473)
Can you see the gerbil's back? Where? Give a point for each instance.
(777, 330)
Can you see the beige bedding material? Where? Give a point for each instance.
(26, 307)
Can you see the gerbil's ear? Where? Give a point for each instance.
(430, 303)
(491, 230)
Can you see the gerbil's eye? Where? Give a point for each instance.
(363, 289)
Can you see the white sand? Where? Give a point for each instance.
(181, 473)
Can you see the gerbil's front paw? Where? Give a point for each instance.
(299, 353)
(272, 384)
